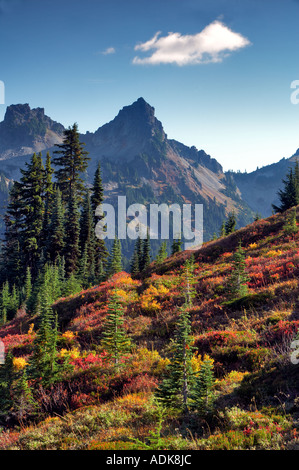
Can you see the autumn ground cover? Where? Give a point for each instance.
(95, 405)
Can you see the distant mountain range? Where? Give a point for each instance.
(139, 161)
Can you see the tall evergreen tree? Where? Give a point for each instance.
(72, 161)
(48, 200)
(28, 285)
(32, 182)
(6, 381)
(87, 237)
(115, 259)
(162, 253)
(97, 199)
(135, 262)
(43, 362)
(12, 254)
(176, 388)
(72, 236)
(203, 394)
(230, 224)
(56, 231)
(290, 227)
(222, 229)
(289, 195)
(238, 278)
(115, 340)
(146, 261)
(176, 246)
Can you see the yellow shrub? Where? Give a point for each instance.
(69, 335)
(197, 361)
(19, 363)
(31, 328)
(272, 253)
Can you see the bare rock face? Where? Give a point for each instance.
(25, 130)
(134, 131)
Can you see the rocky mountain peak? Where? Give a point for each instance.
(25, 130)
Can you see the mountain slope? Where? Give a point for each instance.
(248, 339)
(259, 188)
(25, 131)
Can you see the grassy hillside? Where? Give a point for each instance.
(95, 405)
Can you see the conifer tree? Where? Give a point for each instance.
(4, 302)
(48, 199)
(28, 285)
(115, 260)
(56, 230)
(115, 340)
(162, 253)
(203, 394)
(176, 388)
(6, 381)
(289, 195)
(238, 278)
(290, 227)
(97, 199)
(146, 259)
(135, 262)
(140, 251)
(230, 224)
(72, 160)
(43, 361)
(23, 403)
(176, 246)
(12, 254)
(87, 238)
(72, 236)
(222, 230)
(32, 201)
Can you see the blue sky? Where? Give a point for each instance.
(218, 73)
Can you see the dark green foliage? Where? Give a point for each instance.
(56, 231)
(146, 259)
(32, 208)
(289, 195)
(23, 403)
(176, 246)
(238, 278)
(72, 161)
(6, 380)
(28, 285)
(48, 200)
(203, 394)
(12, 255)
(115, 340)
(230, 224)
(115, 259)
(135, 269)
(290, 227)
(72, 236)
(43, 362)
(162, 253)
(9, 302)
(222, 230)
(177, 386)
(175, 390)
(97, 198)
(87, 243)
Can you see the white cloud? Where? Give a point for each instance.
(212, 44)
(109, 50)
